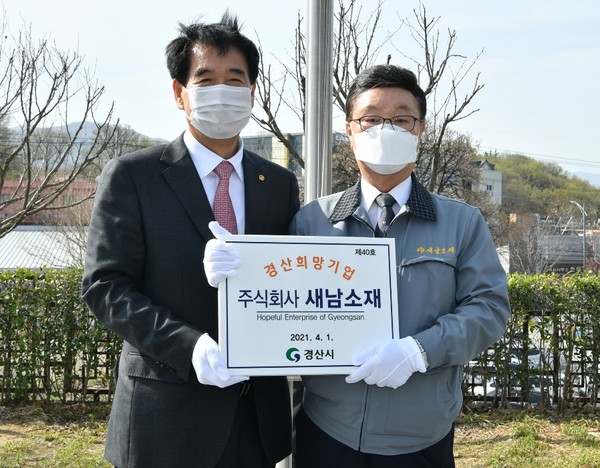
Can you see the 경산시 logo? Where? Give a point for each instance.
(293, 354)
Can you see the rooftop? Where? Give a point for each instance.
(36, 247)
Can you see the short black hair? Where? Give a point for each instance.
(222, 36)
(385, 76)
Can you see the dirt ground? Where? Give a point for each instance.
(45, 430)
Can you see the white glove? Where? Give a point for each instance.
(388, 364)
(221, 260)
(209, 365)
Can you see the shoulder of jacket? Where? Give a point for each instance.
(143, 153)
(444, 202)
(264, 163)
(324, 204)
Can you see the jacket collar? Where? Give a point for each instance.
(420, 203)
(181, 175)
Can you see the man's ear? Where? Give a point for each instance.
(420, 133)
(348, 129)
(252, 89)
(177, 90)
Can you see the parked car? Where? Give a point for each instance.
(539, 387)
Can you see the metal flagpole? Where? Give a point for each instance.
(318, 119)
(319, 82)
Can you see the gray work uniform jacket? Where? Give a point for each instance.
(453, 298)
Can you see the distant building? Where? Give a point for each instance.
(77, 190)
(564, 254)
(265, 145)
(269, 147)
(547, 245)
(490, 181)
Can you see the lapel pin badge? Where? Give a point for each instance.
(261, 178)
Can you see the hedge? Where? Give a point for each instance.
(52, 348)
(559, 318)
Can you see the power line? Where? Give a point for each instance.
(558, 159)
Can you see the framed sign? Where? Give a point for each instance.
(305, 305)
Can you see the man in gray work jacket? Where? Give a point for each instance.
(397, 408)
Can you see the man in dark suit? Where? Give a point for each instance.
(175, 404)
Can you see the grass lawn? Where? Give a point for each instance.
(72, 435)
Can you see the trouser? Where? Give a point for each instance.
(316, 449)
(244, 448)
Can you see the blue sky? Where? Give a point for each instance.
(540, 62)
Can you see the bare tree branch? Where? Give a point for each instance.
(356, 46)
(438, 63)
(42, 152)
(358, 43)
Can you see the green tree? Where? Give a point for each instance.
(535, 187)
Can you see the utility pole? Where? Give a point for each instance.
(583, 215)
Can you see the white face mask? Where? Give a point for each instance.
(220, 111)
(385, 150)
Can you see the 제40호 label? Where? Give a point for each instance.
(305, 305)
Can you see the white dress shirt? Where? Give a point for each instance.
(400, 192)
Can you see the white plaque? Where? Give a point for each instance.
(305, 305)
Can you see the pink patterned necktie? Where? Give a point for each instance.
(223, 208)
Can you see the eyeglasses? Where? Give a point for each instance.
(405, 122)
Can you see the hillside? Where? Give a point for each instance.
(531, 186)
(592, 178)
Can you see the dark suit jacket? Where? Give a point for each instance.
(144, 279)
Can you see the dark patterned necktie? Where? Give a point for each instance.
(385, 201)
(223, 208)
